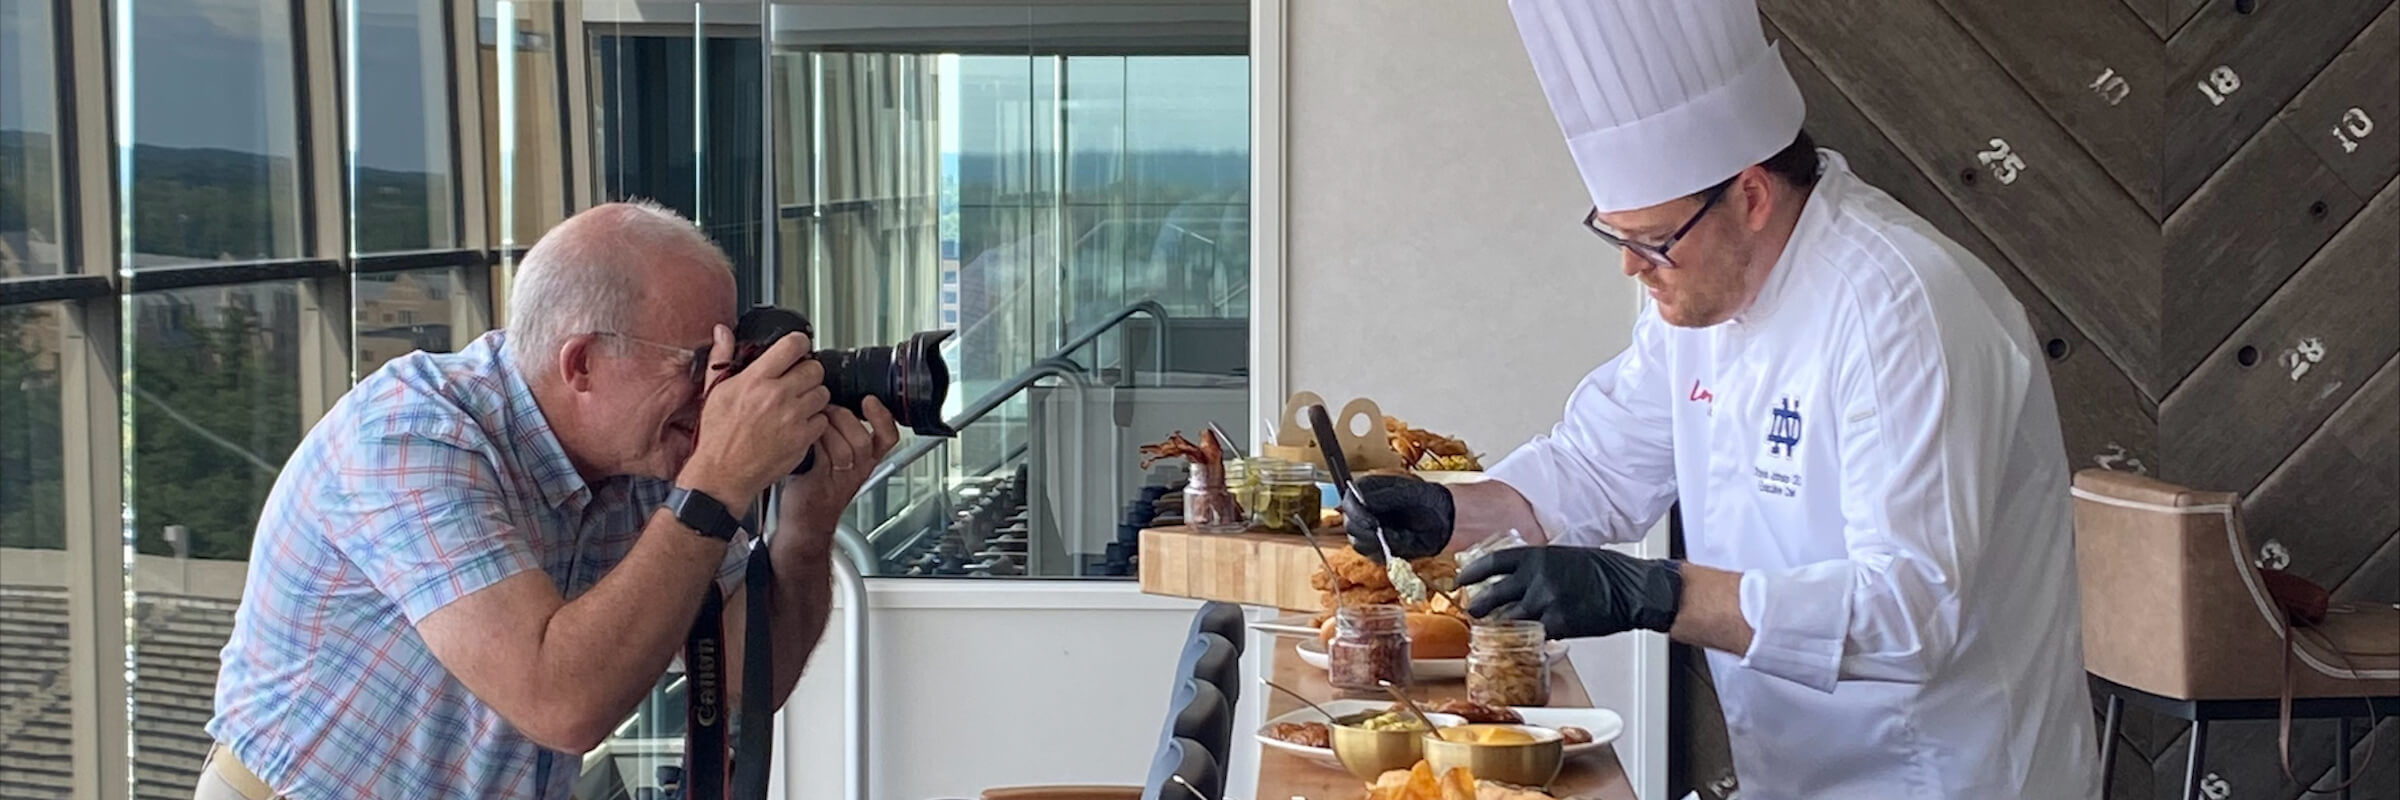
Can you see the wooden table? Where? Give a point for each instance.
(1284, 775)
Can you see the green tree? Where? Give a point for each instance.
(32, 460)
(216, 411)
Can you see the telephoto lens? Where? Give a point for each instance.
(911, 378)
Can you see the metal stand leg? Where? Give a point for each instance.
(2108, 741)
(2341, 755)
(2191, 769)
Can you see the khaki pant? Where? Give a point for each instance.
(224, 778)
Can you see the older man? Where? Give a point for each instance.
(479, 563)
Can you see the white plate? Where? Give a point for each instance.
(1604, 725)
(1339, 708)
(1312, 652)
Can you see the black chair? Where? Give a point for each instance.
(1223, 619)
(1200, 713)
(1212, 658)
(1190, 761)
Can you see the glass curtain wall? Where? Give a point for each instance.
(1023, 175)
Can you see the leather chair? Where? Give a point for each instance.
(2177, 619)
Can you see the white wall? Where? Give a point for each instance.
(978, 684)
(1433, 257)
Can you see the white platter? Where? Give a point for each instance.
(1604, 725)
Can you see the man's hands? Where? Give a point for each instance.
(1414, 514)
(1576, 591)
(755, 426)
(849, 450)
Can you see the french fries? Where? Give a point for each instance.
(1428, 451)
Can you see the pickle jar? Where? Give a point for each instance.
(1506, 665)
(1287, 495)
(1370, 644)
(1208, 504)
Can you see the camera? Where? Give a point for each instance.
(910, 377)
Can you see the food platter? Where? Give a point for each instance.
(1603, 725)
(1312, 652)
(1339, 708)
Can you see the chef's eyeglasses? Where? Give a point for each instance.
(1656, 254)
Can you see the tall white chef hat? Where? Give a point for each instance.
(1659, 98)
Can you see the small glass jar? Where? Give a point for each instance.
(1370, 644)
(1506, 665)
(1287, 496)
(1208, 504)
(1241, 477)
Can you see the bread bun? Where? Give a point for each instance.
(1436, 636)
(1430, 636)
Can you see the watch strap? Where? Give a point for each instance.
(702, 513)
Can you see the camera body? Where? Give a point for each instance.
(910, 377)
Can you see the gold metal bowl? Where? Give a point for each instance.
(1525, 755)
(1370, 753)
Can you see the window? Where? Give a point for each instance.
(523, 126)
(213, 395)
(1022, 174)
(216, 150)
(403, 312)
(29, 145)
(32, 502)
(215, 409)
(401, 179)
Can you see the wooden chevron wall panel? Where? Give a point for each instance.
(2196, 202)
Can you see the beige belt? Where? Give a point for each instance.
(224, 767)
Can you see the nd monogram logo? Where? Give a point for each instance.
(1783, 435)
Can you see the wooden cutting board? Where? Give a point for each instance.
(1259, 569)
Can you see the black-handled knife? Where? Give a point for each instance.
(1321, 424)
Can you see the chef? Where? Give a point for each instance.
(1850, 409)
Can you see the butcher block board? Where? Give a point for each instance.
(1257, 569)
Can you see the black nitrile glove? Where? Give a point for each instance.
(1414, 514)
(1577, 591)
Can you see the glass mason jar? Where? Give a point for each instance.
(1370, 644)
(1506, 665)
(1208, 504)
(1287, 495)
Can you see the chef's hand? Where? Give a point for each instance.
(1414, 514)
(1576, 591)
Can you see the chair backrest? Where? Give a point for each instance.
(1190, 760)
(1212, 658)
(1199, 713)
(2173, 605)
(1223, 619)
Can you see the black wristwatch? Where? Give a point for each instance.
(700, 512)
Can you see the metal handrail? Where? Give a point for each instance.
(860, 548)
(1056, 364)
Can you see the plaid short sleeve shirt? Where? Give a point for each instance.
(435, 477)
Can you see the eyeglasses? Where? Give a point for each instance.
(694, 365)
(1657, 254)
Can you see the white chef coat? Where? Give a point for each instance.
(1874, 446)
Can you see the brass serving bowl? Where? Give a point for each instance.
(1370, 753)
(1534, 761)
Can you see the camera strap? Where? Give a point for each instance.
(705, 712)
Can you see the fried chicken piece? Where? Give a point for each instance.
(1439, 572)
(1477, 712)
(1304, 734)
(1359, 596)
